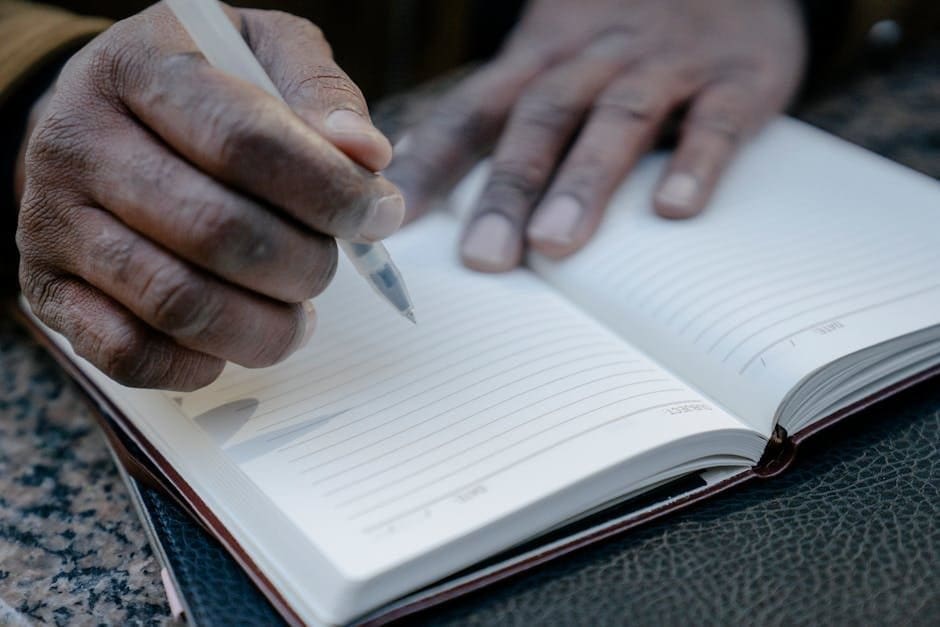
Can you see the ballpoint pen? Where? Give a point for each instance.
(222, 45)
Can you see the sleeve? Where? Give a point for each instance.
(31, 35)
(34, 40)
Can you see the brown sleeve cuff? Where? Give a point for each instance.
(34, 40)
(31, 35)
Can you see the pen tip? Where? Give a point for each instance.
(410, 314)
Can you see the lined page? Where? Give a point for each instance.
(811, 250)
(382, 439)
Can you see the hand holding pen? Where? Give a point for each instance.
(198, 211)
(224, 48)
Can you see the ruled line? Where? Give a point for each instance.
(479, 323)
(750, 361)
(553, 366)
(527, 349)
(498, 451)
(330, 346)
(449, 425)
(378, 411)
(375, 526)
(439, 445)
(823, 306)
(664, 270)
(398, 373)
(891, 277)
(708, 296)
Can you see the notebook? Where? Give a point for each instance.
(387, 467)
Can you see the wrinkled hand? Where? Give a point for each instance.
(580, 91)
(175, 218)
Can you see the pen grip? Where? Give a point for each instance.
(220, 42)
(367, 258)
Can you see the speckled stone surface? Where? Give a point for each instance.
(71, 548)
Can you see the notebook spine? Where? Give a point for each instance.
(778, 455)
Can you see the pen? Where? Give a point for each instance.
(215, 35)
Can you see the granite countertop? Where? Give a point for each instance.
(71, 547)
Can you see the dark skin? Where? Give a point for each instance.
(174, 218)
(579, 93)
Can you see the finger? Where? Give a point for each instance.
(239, 134)
(299, 61)
(539, 128)
(462, 125)
(208, 224)
(194, 309)
(623, 125)
(716, 124)
(113, 339)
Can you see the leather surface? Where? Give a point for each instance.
(215, 589)
(850, 534)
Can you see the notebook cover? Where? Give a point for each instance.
(158, 478)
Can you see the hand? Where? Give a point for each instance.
(175, 217)
(580, 91)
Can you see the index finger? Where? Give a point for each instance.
(243, 136)
(313, 85)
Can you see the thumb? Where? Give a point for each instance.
(299, 61)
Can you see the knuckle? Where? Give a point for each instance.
(585, 177)
(512, 184)
(325, 82)
(630, 104)
(241, 139)
(279, 342)
(121, 351)
(42, 228)
(321, 272)
(228, 236)
(37, 214)
(544, 110)
(113, 59)
(344, 212)
(43, 291)
(127, 353)
(720, 121)
(58, 142)
(200, 374)
(178, 303)
(115, 254)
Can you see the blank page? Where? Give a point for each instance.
(812, 249)
(382, 439)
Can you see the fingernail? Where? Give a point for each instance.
(679, 190)
(346, 121)
(490, 242)
(384, 218)
(310, 316)
(555, 221)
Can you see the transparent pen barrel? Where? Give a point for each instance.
(372, 261)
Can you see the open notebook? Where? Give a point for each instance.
(384, 458)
